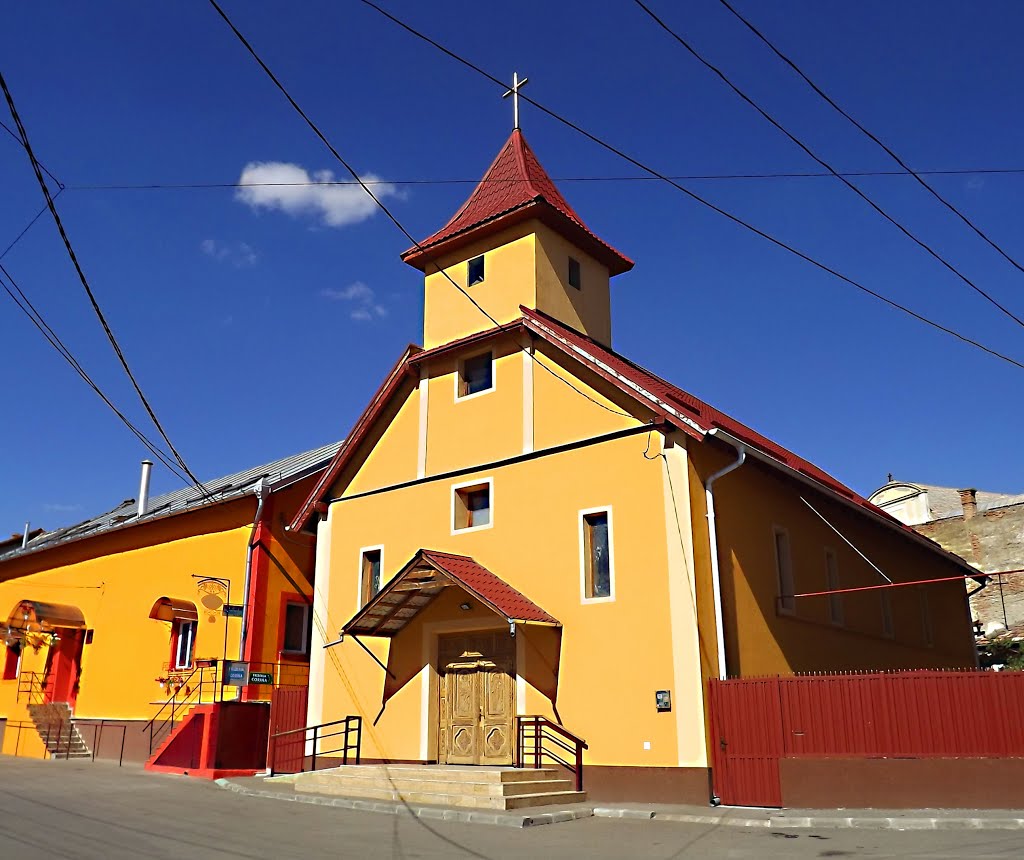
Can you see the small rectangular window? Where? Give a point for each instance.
(296, 628)
(835, 601)
(597, 555)
(784, 569)
(476, 374)
(476, 271)
(370, 574)
(184, 643)
(472, 507)
(926, 619)
(888, 628)
(574, 274)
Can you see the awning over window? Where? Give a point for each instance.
(36, 615)
(173, 609)
(424, 578)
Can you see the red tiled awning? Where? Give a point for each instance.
(425, 577)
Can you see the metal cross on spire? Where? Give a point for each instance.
(514, 92)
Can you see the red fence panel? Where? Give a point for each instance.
(911, 714)
(288, 712)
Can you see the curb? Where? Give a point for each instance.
(780, 822)
(679, 817)
(475, 816)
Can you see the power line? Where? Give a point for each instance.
(696, 177)
(28, 226)
(24, 304)
(907, 170)
(36, 167)
(897, 224)
(391, 216)
(692, 194)
(18, 140)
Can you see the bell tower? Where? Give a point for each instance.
(515, 241)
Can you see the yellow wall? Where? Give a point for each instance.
(587, 309)
(760, 640)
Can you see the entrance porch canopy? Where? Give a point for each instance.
(425, 577)
(44, 616)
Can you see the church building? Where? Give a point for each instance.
(525, 529)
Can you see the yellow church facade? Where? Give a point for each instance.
(525, 524)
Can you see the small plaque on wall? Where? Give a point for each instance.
(663, 700)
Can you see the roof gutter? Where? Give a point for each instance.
(716, 580)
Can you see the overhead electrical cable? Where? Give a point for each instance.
(693, 195)
(18, 140)
(391, 216)
(26, 306)
(917, 174)
(695, 177)
(28, 226)
(36, 167)
(764, 113)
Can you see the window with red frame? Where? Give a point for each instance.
(296, 629)
(183, 644)
(12, 661)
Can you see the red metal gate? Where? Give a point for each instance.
(746, 741)
(287, 712)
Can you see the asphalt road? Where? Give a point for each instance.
(83, 811)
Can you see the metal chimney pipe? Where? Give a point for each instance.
(24, 537)
(147, 467)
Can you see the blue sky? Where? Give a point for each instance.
(260, 327)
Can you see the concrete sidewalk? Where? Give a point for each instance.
(789, 819)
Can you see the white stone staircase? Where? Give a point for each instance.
(57, 730)
(494, 788)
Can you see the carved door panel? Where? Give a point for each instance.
(476, 699)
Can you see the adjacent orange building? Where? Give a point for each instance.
(107, 621)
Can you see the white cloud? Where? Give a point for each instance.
(238, 254)
(363, 300)
(296, 192)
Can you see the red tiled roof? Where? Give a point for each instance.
(494, 591)
(392, 608)
(515, 187)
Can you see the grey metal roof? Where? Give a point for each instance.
(224, 489)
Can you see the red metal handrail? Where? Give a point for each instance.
(544, 734)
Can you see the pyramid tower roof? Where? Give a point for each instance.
(515, 188)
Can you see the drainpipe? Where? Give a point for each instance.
(261, 491)
(716, 583)
(147, 467)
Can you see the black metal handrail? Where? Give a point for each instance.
(535, 735)
(31, 685)
(352, 725)
(179, 706)
(97, 738)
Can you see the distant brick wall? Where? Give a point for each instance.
(992, 541)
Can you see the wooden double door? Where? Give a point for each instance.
(476, 673)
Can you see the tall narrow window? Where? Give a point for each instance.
(471, 506)
(926, 619)
(597, 555)
(888, 628)
(370, 574)
(575, 279)
(12, 661)
(183, 643)
(296, 628)
(835, 601)
(476, 374)
(475, 274)
(784, 569)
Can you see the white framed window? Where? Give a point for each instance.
(296, 628)
(475, 376)
(371, 559)
(888, 628)
(473, 505)
(184, 643)
(475, 271)
(597, 556)
(835, 601)
(784, 571)
(927, 634)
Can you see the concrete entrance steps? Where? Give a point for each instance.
(57, 730)
(445, 785)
